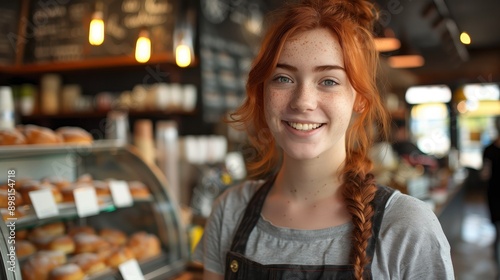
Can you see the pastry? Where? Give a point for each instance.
(90, 263)
(24, 248)
(144, 245)
(71, 134)
(113, 236)
(37, 267)
(11, 137)
(74, 230)
(48, 230)
(87, 243)
(57, 256)
(69, 271)
(62, 243)
(40, 135)
(119, 256)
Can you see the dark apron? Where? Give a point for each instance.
(239, 267)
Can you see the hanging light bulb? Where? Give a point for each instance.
(96, 30)
(143, 47)
(183, 54)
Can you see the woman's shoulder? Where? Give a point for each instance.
(238, 195)
(406, 212)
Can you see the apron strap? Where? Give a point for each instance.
(379, 202)
(251, 217)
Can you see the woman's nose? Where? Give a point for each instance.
(304, 99)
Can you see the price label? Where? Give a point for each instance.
(130, 270)
(86, 201)
(44, 203)
(120, 193)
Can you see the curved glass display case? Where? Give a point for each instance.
(151, 212)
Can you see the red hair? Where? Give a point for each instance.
(352, 23)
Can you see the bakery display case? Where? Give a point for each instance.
(93, 211)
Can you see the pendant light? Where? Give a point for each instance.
(143, 46)
(96, 29)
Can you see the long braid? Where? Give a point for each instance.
(358, 193)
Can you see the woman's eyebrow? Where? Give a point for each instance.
(316, 69)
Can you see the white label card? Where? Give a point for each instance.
(120, 193)
(44, 203)
(86, 201)
(130, 270)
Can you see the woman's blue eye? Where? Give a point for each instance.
(329, 82)
(283, 79)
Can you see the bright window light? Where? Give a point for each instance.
(428, 94)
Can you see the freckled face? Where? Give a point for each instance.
(308, 99)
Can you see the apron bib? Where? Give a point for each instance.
(239, 267)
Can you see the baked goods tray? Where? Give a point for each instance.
(40, 149)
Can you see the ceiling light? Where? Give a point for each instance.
(406, 61)
(387, 42)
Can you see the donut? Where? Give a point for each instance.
(24, 248)
(40, 135)
(119, 256)
(57, 256)
(144, 245)
(113, 236)
(49, 230)
(69, 271)
(76, 135)
(37, 267)
(87, 243)
(11, 137)
(90, 263)
(62, 243)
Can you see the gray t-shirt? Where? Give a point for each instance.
(411, 243)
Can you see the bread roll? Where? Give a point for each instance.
(69, 271)
(24, 248)
(11, 137)
(70, 134)
(40, 135)
(90, 263)
(144, 245)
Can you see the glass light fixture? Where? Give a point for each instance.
(465, 38)
(143, 47)
(96, 29)
(183, 55)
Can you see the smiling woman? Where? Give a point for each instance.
(312, 90)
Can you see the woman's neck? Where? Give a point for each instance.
(311, 179)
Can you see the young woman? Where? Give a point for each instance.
(311, 112)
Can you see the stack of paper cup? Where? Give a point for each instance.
(7, 120)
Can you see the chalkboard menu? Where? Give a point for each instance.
(58, 30)
(230, 35)
(9, 11)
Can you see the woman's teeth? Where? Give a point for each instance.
(304, 126)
